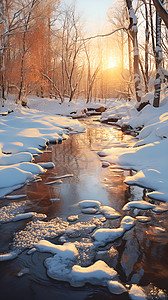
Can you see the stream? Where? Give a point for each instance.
(139, 257)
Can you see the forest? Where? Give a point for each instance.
(46, 51)
(83, 149)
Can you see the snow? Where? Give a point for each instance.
(89, 204)
(98, 274)
(9, 256)
(73, 218)
(109, 212)
(8, 212)
(104, 235)
(116, 287)
(89, 210)
(62, 267)
(143, 219)
(137, 293)
(48, 165)
(148, 155)
(138, 204)
(62, 176)
(54, 182)
(24, 133)
(67, 250)
(23, 216)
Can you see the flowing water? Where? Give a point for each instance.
(142, 252)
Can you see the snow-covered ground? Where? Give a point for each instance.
(24, 133)
(148, 156)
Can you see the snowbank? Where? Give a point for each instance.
(23, 133)
(148, 156)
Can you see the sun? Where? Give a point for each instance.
(112, 63)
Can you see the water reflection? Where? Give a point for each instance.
(142, 254)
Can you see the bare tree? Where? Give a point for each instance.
(162, 11)
(158, 56)
(69, 49)
(133, 29)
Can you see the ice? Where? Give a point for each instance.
(54, 199)
(37, 230)
(62, 176)
(22, 272)
(138, 204)
(13, 197)
(54, 182)
(28, 215)
(116, 287)
(109, 212)
(137, 293)
(9, 256)
(86, 251)
(23, 216)
(8, 212)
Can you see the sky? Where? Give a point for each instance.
(93, 11)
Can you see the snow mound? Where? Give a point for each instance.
(116, 287)
(137, 293)
(109, 212)
(89, 204)
(104, 235)
(98, 274)
(138, 204)
(67, 251)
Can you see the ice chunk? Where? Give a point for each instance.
(62, 176)
(9, 256)
(12, 197)
(54, 182)
(23, 216)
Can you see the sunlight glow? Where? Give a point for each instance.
(112, 63)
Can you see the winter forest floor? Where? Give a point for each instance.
(90, 210)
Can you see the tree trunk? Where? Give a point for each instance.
(133, 32)
(158, 61)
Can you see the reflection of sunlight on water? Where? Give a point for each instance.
(143, 248)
